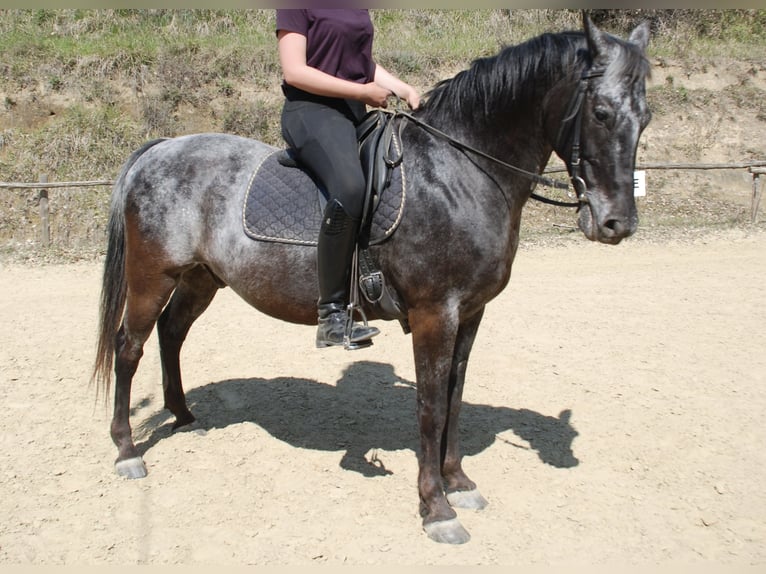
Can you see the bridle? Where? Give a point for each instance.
(572, 122)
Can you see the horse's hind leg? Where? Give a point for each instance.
(147, 295)
(192, 296)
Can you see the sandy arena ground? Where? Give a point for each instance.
(614, 413)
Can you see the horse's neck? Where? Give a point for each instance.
(518, 141)
(516, 134)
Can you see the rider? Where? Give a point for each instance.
(329, 79)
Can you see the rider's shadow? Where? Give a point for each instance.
(369, 408)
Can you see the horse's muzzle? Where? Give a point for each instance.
(610, 227)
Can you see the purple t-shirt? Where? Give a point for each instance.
(338, 42)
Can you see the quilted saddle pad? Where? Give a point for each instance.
(285, 204)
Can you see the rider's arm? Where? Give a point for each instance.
(292, 58)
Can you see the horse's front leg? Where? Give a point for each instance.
(433, 337)
(461, 490)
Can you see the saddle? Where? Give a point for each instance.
(375, 134)
(280, 207)
(379, 158)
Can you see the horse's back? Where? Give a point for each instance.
(198, 159)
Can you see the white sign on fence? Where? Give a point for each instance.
(639, 183)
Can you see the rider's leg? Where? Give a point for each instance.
(325, 141)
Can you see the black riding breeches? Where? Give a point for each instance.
(324, 139)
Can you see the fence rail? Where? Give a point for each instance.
(642, 166)
(756, 169)
(52, 184)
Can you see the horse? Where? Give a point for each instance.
(175, 230)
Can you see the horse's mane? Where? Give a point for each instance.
(514, 75)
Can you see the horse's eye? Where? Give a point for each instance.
(601, 114)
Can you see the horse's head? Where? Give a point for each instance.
(597, 126)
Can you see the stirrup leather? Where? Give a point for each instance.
(353, 306)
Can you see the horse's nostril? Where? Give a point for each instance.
(617, 226)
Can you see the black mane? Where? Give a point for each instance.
(517, 74)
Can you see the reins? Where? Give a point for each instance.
(574, 112)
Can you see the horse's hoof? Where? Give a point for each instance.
(447, 531)
(131, 468)
(183, 420)
(470, 499)
(194, 427)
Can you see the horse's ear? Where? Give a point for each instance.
(596, 38)
(640, 36)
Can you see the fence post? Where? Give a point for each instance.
(45, 226)
(757, 191)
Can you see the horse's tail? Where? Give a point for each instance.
(113, 286)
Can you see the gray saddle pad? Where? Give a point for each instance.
(285, 205)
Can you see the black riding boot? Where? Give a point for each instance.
(335, 250)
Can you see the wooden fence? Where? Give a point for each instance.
(756, 169)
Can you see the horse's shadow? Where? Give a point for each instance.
(369, 408)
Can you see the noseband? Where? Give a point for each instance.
(572, 120)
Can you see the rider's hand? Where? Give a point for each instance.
(413, 98)
(375, 95)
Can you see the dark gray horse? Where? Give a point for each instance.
(176, 234)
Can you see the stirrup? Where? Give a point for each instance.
(348, 344)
